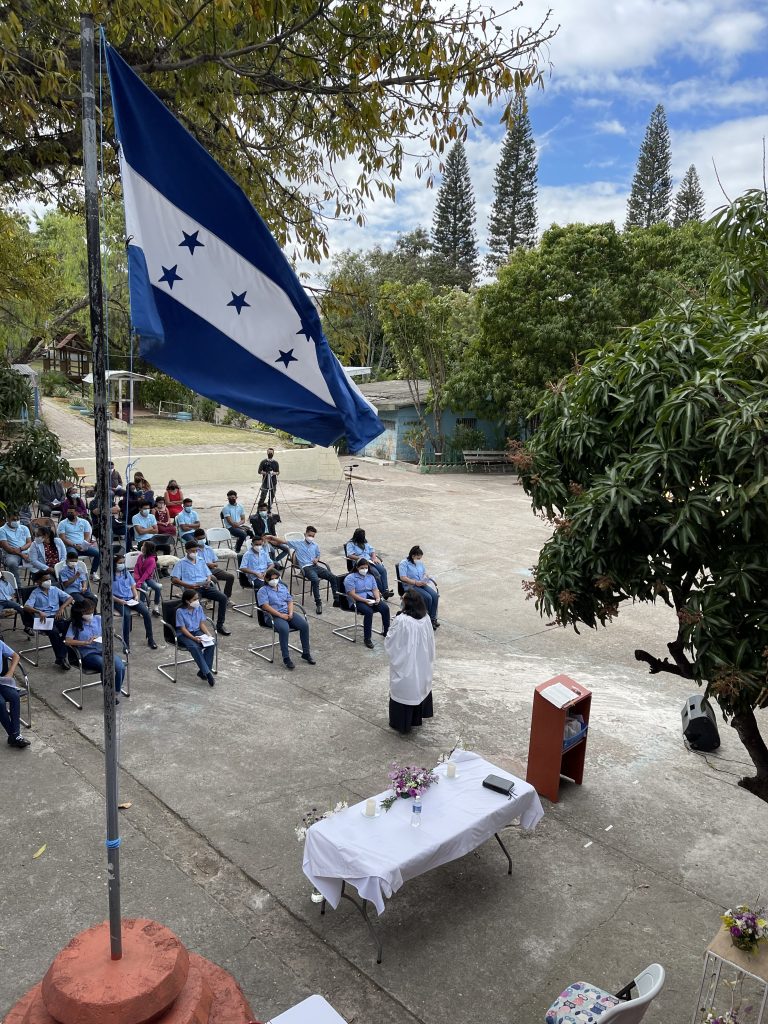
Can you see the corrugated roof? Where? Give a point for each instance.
(393, 394)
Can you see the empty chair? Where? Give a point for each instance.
(584, 1003)
(218, 535)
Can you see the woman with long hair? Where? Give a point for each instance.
(191, 629)
(84, 634)
(173, 498)
(410, 644)
(46, 550)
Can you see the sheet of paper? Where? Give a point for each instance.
(207, 641)
(559, 695)
(96, 640)
(43, 624)
(132, 603)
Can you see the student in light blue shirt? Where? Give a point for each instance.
(308, 557)
(10, 716)
(81, 635)
(145, 527)
(15, 540)
(363, 592)
(8, 596)
(276, 602)
(233, 517)
(190, 628)
(123, 591)
(192, 573)
(358, 547)
(413, 574)
(255, 562)
(209, 557)
(45, 602)
(187, 521)
(76, 534)
(73, 578)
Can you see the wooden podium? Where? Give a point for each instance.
(549, 754)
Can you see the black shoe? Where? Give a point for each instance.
(336, 603)
(29, 631)
(309, 659)
(211, 680)
(289, 664)
(17, 741)
(201, 675)
(63, 665)
(368, 644)
(223, 630)
(435, 624)
(388, 594)
(318, 609)
(152, 644)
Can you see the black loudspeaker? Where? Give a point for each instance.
(699, 725)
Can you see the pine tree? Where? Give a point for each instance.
(689, 201)
(454, 241)
(651, 194)
(513, 214)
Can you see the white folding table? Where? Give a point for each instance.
(378, 855)
(314, 1010)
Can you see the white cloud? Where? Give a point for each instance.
(611, 127)
(735, 146)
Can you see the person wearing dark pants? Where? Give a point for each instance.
(73, 578)
(361, 589)
(308, 557)
(76, 534)
(84, 634)
(191, 633)
(191, 573)
(209, 556)
(269, 469)
(10, 702)
(126, 598)
(233, 517)
(276, 602)
(48, 602)
(413, 574)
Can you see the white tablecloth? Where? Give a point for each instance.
(314, 1010)
(377, 855)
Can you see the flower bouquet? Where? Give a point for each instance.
(313, 816)
(406, 781)
(747, 927)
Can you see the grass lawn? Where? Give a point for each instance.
(157, 433)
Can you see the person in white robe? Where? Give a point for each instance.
(410, 644)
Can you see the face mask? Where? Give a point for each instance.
(13, 523)
(120, 566)
(262, 512)
(87, 618)
(71, 565)
(363, 570)
(256, 549)
(309, 538)
(194, 604)
(417, 558)
(274, 582)
(71, 497)
(201, 543)
(46, 585)
(145, 512)
(192, 556)
(187, 508)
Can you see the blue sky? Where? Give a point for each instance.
(612, 62)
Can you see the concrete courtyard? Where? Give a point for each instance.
(633, 867)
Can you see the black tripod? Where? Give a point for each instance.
(270, 494)
(349, 497)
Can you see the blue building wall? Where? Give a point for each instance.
(398, 422)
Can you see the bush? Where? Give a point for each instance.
(53, 383)
(232, 418)
(466, 439)
(150, 393)
(205, 410)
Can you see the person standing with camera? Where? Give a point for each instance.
(269, 469)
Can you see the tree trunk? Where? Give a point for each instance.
(746, 726)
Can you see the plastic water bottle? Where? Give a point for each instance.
(416, 812)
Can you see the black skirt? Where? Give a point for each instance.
(404, 717)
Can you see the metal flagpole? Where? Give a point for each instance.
(104, 519)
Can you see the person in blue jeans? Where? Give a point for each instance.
(49, 602)
(84, 629)
(123, 591)
(363, 592)
(308, 558)
(9, 597)
(275, 600)
(233, 517)
(413, 575)
(10, 715)
(77, 536)
(358, 547)
(191, 627)
(73, 578)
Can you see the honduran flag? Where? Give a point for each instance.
(213, 299)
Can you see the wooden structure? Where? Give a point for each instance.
(550, 755)
(721, 953)
(70, 355)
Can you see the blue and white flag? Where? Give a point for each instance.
(213, 299)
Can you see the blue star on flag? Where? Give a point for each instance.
(238, 301)
(305, 331)
(170, 276)
(191, 241)
(286, 357)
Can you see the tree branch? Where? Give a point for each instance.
(657, 665)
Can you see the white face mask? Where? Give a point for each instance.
(309, 538)
(192, 556)
(87, 618)
(256, 550)
(417, 558)
(194, 604)
(120, 566)
(46, 585)
(273, 583)
(201, 543)
(363, 570)
(72, 565)
(145, 512)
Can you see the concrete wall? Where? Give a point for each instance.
(235, 467)
(398, 422)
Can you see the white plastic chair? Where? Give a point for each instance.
(630, 1011)
(218, 535)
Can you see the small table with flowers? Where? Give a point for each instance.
(377, 855)
(721, 951)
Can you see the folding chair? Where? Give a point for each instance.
(6, 613)
(168, 621)
(247, 583)
(217, 535)
(351, 559)
(296, 573)
(24, 689)
(349, 605)
(81, 564)
(26, 654)
(76, 660)
(400, 587)
(262, 620)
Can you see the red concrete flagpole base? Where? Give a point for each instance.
(157, 980)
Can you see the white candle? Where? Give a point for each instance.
(370, 808)
(450, 770)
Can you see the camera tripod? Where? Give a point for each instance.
(270, 496)
(349, 496)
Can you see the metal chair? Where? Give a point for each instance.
(247, 583)
(400, 587)
(76, 660)
(610, 1008)
(80, 565)
(348, 605)
(26, 722)
(168, 621)
(25, 654)
(218, 535)
(261, 617)
(10, 579)
(296, 573)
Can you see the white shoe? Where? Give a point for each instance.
(157, 610)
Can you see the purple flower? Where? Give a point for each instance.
(736, 931)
